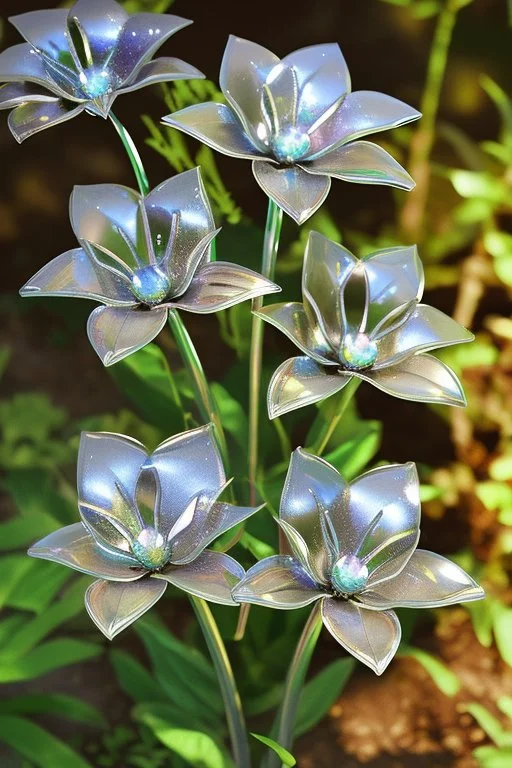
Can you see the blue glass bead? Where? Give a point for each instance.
(349, 575)
(150, 285)
(358, 351)
(290, 145)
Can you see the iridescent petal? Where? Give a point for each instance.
(180, 218)
(291, 319)
(301, 381)
(45, 30)
(14, 94)
(209, 521)
(211, 576)
(361, 113)
(75, 547)
(427, 581)
(313, 488)
(372, 637)
(28, 119)
(422, 378)
(380, 522)
(327, 266)
(220, 285)
(161, 70)
(106, 214)
(99, 23)
(216, 125)
(277, 582)
(106, 528)
(188, 464)
(322, 79)
(395, 281)
(426, 328)
(141, 36)
(22, 62)
(107, 473)
(292, 189)
(116, 332)
(76, 274)
(363, 163)
(114, 606)
(245, 68)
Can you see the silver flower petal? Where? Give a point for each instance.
(363, 163)
(277, 582)
(161, 70)
(76, 274)
(323, 80)
(31, 118)
(211, 576)
(45, 30)
(301, 381)
(422, 378)
(14, 94)
(22, 62)
(108, 469)
(220, 285)
(99, 23)
(216, 125)
(116, 332)
(395, 280)
(372, 637)
(106, 214)
(380, 522)
(188, 465)
(313, 488)
(427, 581)
(292, 319)
(360, 114)
(425, 328)
(209, 521)
(114, 606)
(75, 547)
(298, 193)
(106, 528)
(327, 266)
(139, 39)
(245, 68)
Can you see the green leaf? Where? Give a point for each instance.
(490, 724)
(357, 449)
(320, 693)
(232, 414)
(505, 705)
(35, 496)
(13, 569)
(159, 711)
(472, 184)
(196, 748)
(443, 677)
(134, 679)
(46, 657)
(37, 745)
(492, 757)
(502, 626)
(147, 382)
(59, 704)
(502, 102)
(286, 757)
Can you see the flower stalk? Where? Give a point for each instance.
(230, 695)
(329, 425)
(268, 264)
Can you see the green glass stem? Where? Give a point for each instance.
(230, 695)
(295, 678)
(133, 154)
(206, 404)
(268, 264)
(329, 425)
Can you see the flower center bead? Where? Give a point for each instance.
(349, 575)
(96, 82)
(150, 285)
(290, 145)
(358, 351)
(149, 549)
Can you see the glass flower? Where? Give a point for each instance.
(353, 547)
(146, 520)
(362, 318)
(299, 123)
(82, 59)
(141, 257)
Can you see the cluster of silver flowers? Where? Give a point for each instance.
(146, 520)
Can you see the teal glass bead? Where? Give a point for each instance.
(150, 285)
(358, 351)
(290, 145)
(149, 549)
(349, 575)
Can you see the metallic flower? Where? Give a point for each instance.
(146, 520)
(362, 318)
(141, 257)
(299, 123)
(353, 546)
(82, 59)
